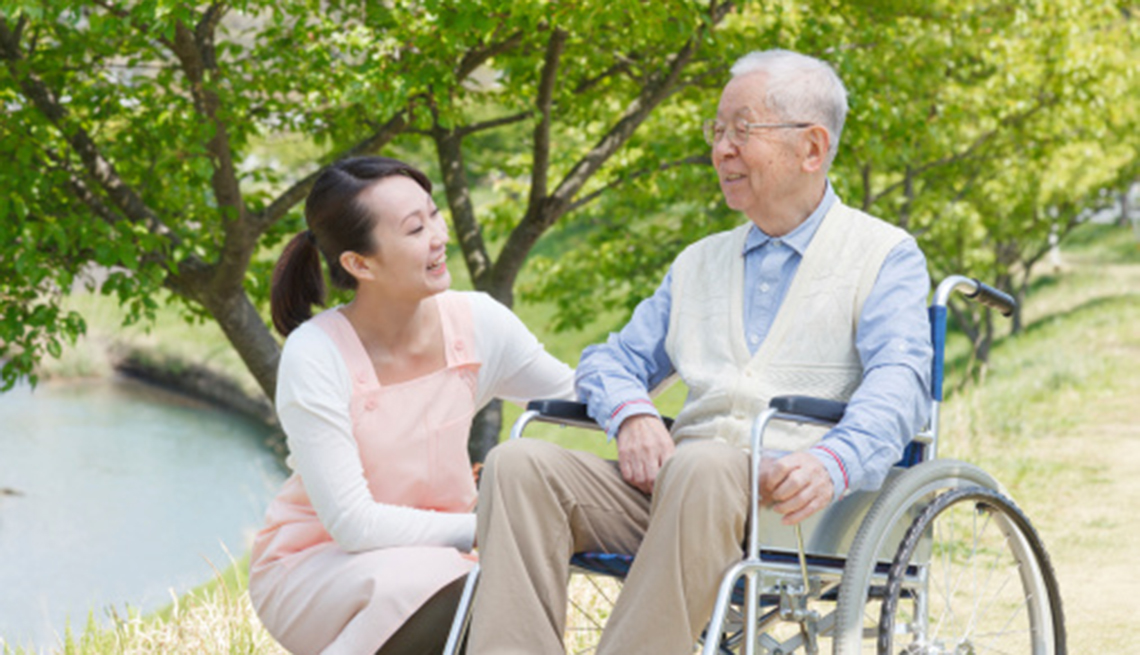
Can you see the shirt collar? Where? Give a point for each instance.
(799, 238)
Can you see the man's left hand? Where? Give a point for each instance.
(796, 485)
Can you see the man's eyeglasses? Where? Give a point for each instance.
(738, 132)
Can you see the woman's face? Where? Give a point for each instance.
(411, 238)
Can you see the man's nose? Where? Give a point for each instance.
(723, 148)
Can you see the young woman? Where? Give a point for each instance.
(366, 546)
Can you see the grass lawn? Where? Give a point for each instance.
(1053, 418)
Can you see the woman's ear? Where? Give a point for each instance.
(356, 265)
(817, 143)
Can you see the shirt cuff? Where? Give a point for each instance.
(466, 536)
(632, 407)
(835, 468)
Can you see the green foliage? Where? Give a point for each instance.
(145, 137)
(980, 127)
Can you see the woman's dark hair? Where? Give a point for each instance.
(337, 222)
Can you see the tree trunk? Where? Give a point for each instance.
(249, 335)
(1124, 209)
(485, 429)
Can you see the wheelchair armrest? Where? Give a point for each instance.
(560, 409)
(569, 412)
(818, 409)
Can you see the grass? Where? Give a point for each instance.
(1053, 420)
(215, 618)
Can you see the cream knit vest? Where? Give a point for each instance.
(810, 349)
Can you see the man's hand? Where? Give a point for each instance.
(644, 445)
(796, 485)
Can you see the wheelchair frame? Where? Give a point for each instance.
(847, 552)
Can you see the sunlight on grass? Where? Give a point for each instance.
(215, 618)
(1064, 378)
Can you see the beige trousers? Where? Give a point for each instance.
(540, 503)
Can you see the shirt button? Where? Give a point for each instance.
(777, 242)
(753, 339)
(370, 405)
(459, 346)
(764, 287)
(362, 378)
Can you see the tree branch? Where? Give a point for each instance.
(540, 167)
(700, 160)
(475, 57)
(129, 18)
(491, 124)
(296, 193)
(659, 87)
(967, 153)
(621, 66)
(85, 195)
(96, 166)
(540, 216)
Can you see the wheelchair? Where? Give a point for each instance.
(939, 561)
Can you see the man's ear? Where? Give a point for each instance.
(356, 265)
(817, 143)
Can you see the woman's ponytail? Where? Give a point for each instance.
(297, 284)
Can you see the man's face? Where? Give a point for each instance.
(760, 177)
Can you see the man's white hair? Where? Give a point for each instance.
(800, 88)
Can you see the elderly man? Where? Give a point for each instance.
(808, 297)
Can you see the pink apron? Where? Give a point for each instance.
(311, 595)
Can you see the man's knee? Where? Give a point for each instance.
(707, 469)
(518, 460)
(706, 459)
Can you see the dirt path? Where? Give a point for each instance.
(1093, 534)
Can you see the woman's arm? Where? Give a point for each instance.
(515, 366)
(313, 394)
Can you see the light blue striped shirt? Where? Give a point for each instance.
(893, 340)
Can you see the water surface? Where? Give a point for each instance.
(123, 493)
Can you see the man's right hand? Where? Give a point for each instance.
(644, 445)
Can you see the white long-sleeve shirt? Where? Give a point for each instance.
(314, 390)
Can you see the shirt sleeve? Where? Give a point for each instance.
(614, 378)
(515, 366)
(313, 394)
(892, 403)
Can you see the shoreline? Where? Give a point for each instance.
(180, 377)
(203, 384)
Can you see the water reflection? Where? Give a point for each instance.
(118, 493)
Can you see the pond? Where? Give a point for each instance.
(114, 495)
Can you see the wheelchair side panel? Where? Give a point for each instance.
(829, 534)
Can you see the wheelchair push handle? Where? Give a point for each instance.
(993, 298)
(976, 290)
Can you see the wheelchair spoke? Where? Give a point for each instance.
(598, 588)
(983, 593)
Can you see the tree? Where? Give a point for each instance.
(133, 125)
(980, 127)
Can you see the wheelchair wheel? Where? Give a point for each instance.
(971, 576)
(900, 502)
